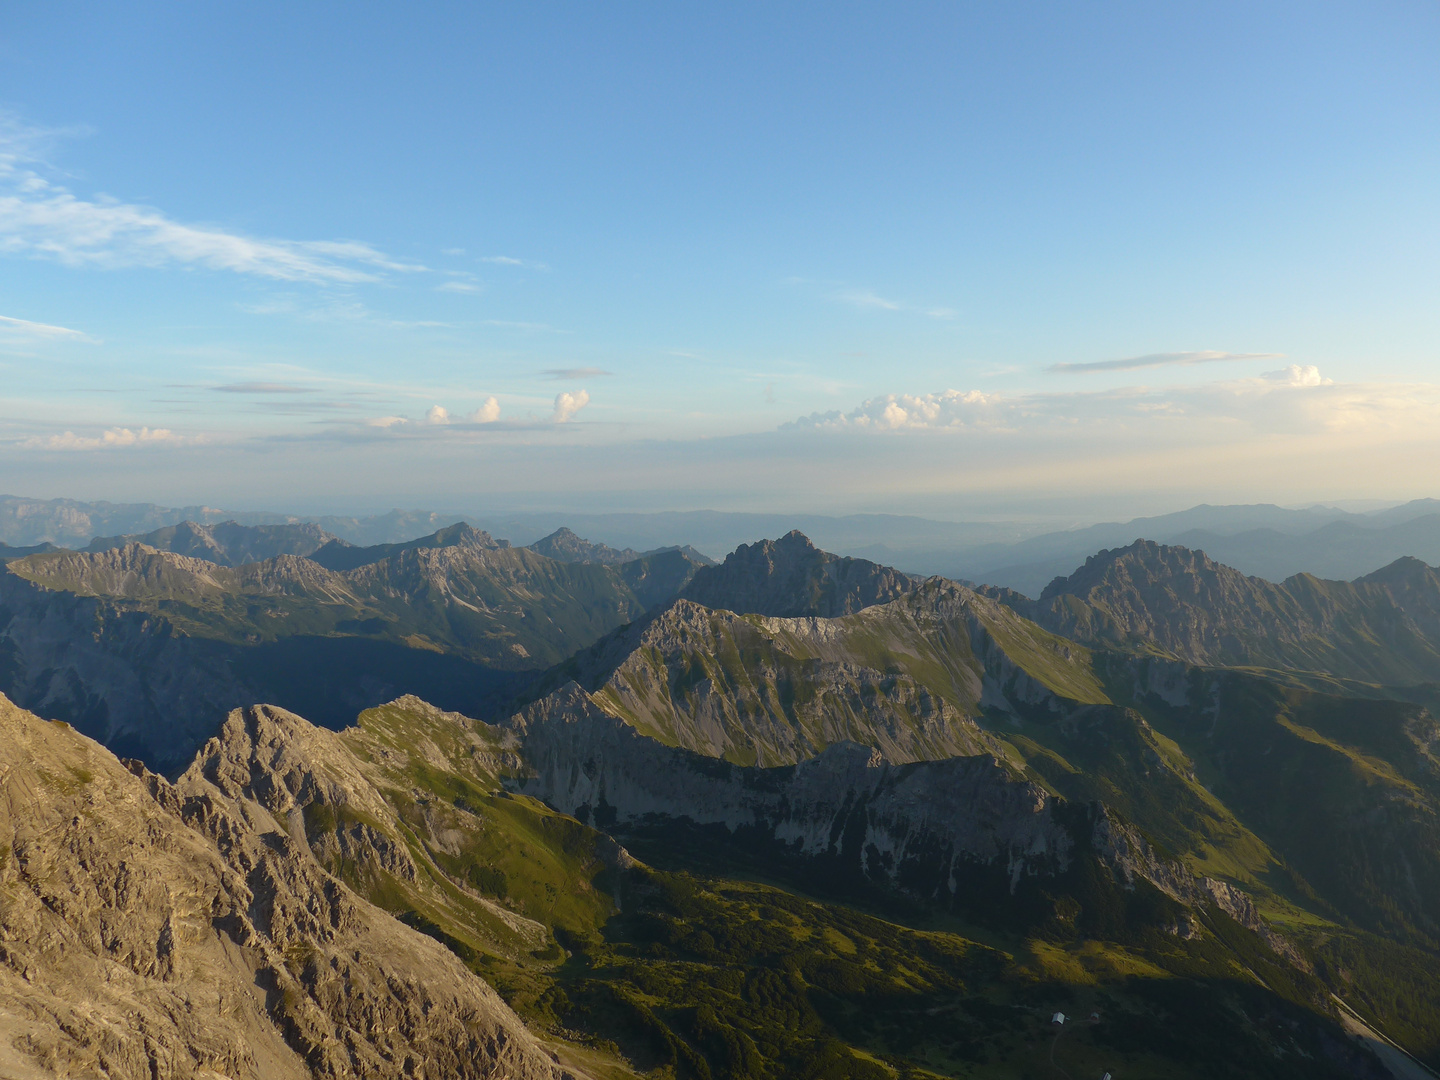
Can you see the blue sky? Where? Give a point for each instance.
(950, 259)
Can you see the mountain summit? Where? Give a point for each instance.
(564, 545)
(1379, 628)
(792, 578)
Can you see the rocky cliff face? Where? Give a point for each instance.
(927, 827)
(150, 929)
(849, 801)
(791, 577)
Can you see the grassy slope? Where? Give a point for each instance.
(1337, 798)
(1303, 769)
(700, 970)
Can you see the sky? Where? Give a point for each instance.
(960, 260)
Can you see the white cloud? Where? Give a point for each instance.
(45, 220)
(438, 414)
(567, 405)
(1295, 375)
(488, 413)
(459, 287)
(24, 328)
(113, 438)
(1293, 400)
(386, 421)
(948, 409)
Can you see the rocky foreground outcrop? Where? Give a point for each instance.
(158, 930)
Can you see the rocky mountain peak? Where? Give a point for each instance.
(1406, 571)
(340, 556)
(564, 545)
(791, 577)
(461, 534)
(1142, 563)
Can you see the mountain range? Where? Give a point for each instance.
(794, 814)
(129, 640)
(1260, 540)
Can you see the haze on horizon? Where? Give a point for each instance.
(955, 260)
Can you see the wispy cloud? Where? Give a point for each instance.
(535, 326)
(44, 220)
(574, 373)
(567, 405)
(1154, 360)
(262, 388)
(331, 307)
(460, 287)
(507, 260)
(24, 328)
(865, 299)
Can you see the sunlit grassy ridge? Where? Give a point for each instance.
(911, 677)
(698, 970)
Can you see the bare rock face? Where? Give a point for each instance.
(149, 929)
(941, 819)
(926, 827)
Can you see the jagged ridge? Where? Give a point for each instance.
(1382, 628)
(182, 931)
